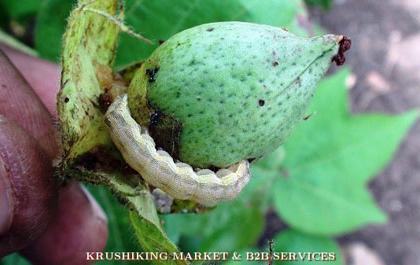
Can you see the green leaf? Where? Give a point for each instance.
(330, 158)
(14, 259)
(18, 9)
(325, 4)
(231, 226)
(272, 161)
(50, 27)
(121, 236)
(293, 241)
(243, 260)
(147, 228)
(159, 20)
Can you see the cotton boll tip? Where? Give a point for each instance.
(344, 45)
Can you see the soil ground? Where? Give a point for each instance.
(385, 59)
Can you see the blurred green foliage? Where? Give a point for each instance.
(325, 4)
(141, 16)
(329, 160)
(316, 183)
(294, 241)
(22, 8)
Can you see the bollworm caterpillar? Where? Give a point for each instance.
(158, 168)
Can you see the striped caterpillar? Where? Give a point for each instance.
(158, 168)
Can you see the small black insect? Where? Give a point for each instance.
(151, 73)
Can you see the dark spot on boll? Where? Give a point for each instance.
(307, 117)
(66, 99)
(252, 159)
(210, 29)
(155, 117)
(275, 63)
(339, 59)
(166, 131)
(261, 102)
(3, 86)
(151, 73)
(345, 44)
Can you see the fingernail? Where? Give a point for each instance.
(6, 207)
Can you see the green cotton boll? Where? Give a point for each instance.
(218, 93)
